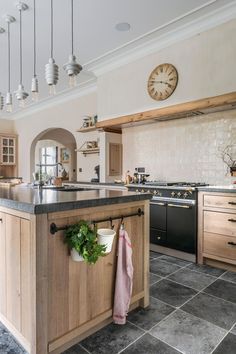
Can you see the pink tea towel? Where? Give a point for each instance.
(124, 279)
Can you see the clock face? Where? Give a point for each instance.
(162, 81)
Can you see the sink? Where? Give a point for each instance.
(68, 189)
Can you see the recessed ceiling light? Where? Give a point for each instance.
(122, 26)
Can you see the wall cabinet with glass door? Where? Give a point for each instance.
(8, 155)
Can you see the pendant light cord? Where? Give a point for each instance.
(20, 47)
(51, 28)
(9, 57)
(72, 27)
(34, 39)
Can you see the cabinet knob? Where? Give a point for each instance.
(158, 237)
(232, 203)
(1, 220)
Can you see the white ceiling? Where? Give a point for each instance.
(95, 34)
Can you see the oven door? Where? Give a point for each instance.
(181, 227)
(158, 223)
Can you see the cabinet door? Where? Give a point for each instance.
(8, 150)
(3, 263)
(115, 159)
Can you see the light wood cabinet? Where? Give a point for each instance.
(8, 155)
(217, 227)
(115, 159)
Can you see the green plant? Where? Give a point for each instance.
(83, 239)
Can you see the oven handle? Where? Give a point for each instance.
(158, 203)
(179, 206)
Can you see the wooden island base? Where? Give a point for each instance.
(49, 302)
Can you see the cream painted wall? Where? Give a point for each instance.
(205, 64)
(7, 126)
(68, 115)
(182, 150)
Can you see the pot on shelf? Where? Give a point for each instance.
(75, 256)
(106, 237)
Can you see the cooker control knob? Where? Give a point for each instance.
(190, 192)
(142, 190)
(185, 194)
(136, 190)
(179, 194)
(154, 192)
(148, 191)
(173, 194)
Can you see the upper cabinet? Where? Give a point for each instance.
(8, 155)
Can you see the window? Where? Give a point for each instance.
(48, 157)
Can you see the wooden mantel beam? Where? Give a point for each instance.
(198, 107)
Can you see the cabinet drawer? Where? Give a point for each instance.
(157, 236)
(220, 223)
(220, 201)
(219, 245)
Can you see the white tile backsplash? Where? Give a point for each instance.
(184, 150)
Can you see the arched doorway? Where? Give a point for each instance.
(54, 146)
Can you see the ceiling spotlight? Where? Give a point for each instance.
(9, 19)
(72, 68)
(21, 94)
(122, 26)
(51, 69)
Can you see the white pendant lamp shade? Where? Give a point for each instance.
(72, 68)
(21, 94)
(51, 69)
(34, 82)
(9, 19)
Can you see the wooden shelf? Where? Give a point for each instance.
(193, 108)
(89, 151)
(88, 129)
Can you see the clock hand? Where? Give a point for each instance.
(160, 82)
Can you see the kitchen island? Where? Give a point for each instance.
(47, 301)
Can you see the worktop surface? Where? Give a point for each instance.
(219, 189)
(38, 201)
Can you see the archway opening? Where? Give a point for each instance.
(54, 149)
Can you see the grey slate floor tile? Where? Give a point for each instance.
(149, 345)
(111, 339)
(189, 334)
(154, 278)
(227, 346)
(223, 289)
(212, 309)
(174, 260)
(214, 272)
(171, 293)
(149, 317)
(197, 281)
(231, 276)
(161, 268)
(155, 255)
(76, 349)
(233, 330)
(8, 345)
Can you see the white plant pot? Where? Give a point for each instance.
(106, 237)
(75, 256)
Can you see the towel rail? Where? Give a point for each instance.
(54, 228)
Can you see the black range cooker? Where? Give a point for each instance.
(173, 214)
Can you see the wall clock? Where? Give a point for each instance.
(162, 81)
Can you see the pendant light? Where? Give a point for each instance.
(51, 69)
(2, 30)
(34, 83)
(72, 68)
(9, 19)
(21, 94)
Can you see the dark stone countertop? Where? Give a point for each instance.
(96, 183)
(39, 201)
(218, 189)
